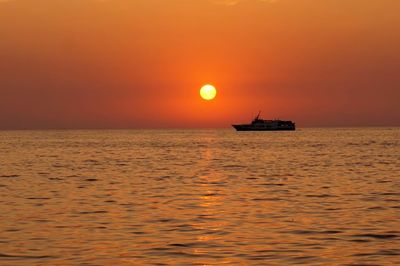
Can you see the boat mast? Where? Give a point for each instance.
(258, 116)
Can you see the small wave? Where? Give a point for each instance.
(55, 178)
(320, 196)
(91, 161)
(233, 166)
(377, 236)
(92, 212)
(9, 176)
(9, 256)
(91, 179)
(388, 252)
(312, 232)
(273, 184)
(43, 173)
(38, 198)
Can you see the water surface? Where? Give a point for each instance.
(205, 197)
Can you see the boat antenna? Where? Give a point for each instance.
(258, 116)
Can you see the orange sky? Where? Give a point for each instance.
(141, 63)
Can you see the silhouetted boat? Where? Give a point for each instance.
(259, 124)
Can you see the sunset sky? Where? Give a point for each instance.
(141, 63)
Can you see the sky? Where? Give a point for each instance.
(141, 63)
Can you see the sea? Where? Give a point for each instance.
(316, 196)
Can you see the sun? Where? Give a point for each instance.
(208, 92)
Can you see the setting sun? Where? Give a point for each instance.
(208, 92)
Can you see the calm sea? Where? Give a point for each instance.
(205, 197)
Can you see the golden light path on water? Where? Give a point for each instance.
(207, 197)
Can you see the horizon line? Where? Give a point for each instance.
(185, 128)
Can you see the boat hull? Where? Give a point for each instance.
(259, 128)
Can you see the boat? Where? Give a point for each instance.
(259, 124)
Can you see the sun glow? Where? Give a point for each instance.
(208, 92)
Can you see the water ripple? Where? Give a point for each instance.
(200, 197)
